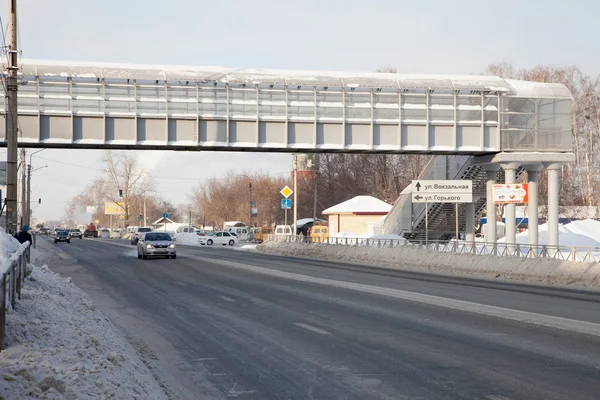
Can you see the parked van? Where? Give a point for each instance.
(283, 230)
(240, 232)
(319, 233)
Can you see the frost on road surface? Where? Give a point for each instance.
(59, 346)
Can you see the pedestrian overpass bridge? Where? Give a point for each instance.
(504, 126)
(117, 106)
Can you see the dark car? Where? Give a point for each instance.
(62, 236)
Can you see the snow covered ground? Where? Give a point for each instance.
(59, 346)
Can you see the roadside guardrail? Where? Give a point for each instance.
(13, 276)
(520, 250)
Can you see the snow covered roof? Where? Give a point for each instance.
(360, 204)
(293, 77)
(161, 221)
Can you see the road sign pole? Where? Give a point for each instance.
(426, 224)
(456, 225)
(285, 218)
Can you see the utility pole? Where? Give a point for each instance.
(295, 194)
(11, 121)
(316, 170)
(24, 209)
(144, 224)
(28, 219)
(250, 204)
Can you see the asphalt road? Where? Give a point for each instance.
(219, 323)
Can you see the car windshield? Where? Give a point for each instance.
(157, 236)
(144, 230)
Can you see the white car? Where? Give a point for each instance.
(224, 238)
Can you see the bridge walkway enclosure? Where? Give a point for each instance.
(98, 105)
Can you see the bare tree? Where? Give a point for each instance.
(125, 175)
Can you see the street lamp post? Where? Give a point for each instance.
(28, 202)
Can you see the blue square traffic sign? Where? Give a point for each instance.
(286, 203)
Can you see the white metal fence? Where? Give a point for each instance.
(12, 279)
(519, 250)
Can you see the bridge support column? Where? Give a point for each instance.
(470, 223)
(533, 175)
(510, 173)
(553, 204)
(490, 232)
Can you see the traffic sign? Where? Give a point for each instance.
(165, 215)
(286, 192)
(121, 217)
(442, 186)
(442, 191)
(510, 193)
(442, 198)
(286, 204)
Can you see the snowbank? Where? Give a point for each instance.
(584, 233)
(59, 346)
(532, 270)
(8, 246)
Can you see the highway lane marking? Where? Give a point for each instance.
(528, 317)
(227, 299)
(311, 328)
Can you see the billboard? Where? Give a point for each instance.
(112, 208)
(511, 193)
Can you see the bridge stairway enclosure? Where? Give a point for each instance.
(408, 219)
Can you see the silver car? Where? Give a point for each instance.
(156, 244)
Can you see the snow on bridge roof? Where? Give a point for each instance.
(80, 69)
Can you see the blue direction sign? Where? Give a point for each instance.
(286, 203)
(165, 215)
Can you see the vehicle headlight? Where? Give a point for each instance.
(172, 246)
(148, 246)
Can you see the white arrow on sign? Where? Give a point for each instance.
(442, 198)
(442, 186)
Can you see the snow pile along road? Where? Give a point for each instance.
(409, 258)
(584, 233)
(59, 346)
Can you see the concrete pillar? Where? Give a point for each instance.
(510, 173)
(470, 222)
(490, 232)
(533, 205)
(553, 203)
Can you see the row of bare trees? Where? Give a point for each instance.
(123, 175)
(338, 177)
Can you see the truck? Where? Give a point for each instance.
(90, 231)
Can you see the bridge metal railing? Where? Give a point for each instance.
(13, 275)
(516, 250)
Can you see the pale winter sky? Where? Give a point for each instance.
(461, 36)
